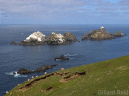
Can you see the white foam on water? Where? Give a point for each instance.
(69, 55)
(58, 60)
(15, 75)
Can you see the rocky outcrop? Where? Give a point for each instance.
(41, 69)
(61, 58)
(101, 34)
(85, 36)
(36, 37)
(70, 37)
(13, 42)
(118, 34)
(44, 68)
(25, 71)
(34, 42)
(55, 38)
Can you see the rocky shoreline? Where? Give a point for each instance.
(41, 69)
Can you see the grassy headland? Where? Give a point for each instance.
(88, 80)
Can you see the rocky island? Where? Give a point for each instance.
(41, 69)
(101, 34)
(38, 38)
(61, 58)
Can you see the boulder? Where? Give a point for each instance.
(24, 71)
(70, 37)
(118, 34)
(13, 42)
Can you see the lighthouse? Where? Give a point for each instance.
(102, 27)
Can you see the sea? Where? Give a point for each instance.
(14, 57)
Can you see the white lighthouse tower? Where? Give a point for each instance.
(102, 27)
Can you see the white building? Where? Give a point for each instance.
(102, 27)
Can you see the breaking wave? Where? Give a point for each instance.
(15, 75)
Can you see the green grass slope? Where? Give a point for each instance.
(106, 78)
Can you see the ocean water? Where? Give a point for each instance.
(14, 57)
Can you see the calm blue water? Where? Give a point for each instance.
(14, 57)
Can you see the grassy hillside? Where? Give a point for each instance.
(104, 78)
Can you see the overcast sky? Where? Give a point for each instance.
(64, 11)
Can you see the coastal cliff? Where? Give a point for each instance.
(85, 80)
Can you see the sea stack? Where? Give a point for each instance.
(100, 34)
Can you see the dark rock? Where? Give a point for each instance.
(14, 73)
(13, 42)
(70, 37)
(61, 58)
(33, 42)
(51, 42)
(41, 69)
(44, 68)
(25, 71)
(118, 34)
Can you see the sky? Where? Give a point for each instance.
(64, 11)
